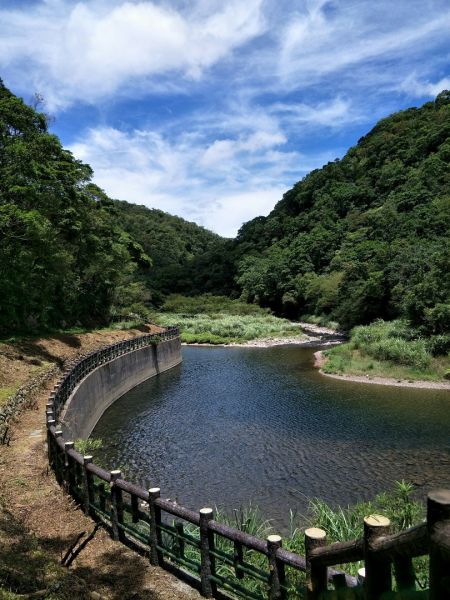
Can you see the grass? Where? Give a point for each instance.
(16, 380)
(321, 321)
(340, 524)
(388, 349)
(28, 335)
(27, 570)
(219, 320)
(225, 329)
(6, 392)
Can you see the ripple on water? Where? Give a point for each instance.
(233, 425)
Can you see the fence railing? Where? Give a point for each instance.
(224, 560)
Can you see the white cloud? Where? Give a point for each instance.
(245, 177)
(233, 210)
(334, 113)
(88, 50)
(259, 79)
(328, 37)
(413, 86)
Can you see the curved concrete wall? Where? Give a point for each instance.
(108, 382)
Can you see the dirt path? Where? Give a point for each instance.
(39, 522)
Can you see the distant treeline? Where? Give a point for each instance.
(362, 238)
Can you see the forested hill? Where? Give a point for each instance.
(173, 244)
(69, 255)
(363, 237)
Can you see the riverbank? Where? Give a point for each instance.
(320, 360)
(38, 521)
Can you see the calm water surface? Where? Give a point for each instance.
(233, 425)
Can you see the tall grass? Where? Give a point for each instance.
(341, 524)
(222, 328)
(392, 341)
(390, 349)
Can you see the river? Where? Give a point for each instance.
(231, 426)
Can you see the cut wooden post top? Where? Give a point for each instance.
(154, 490)
(274, 539)
(315, 533)
(377, 521)
(206, 511)
(440, 496)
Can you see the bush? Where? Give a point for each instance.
(392, 341)
(438, 345)
(225, 328)
(208, 304)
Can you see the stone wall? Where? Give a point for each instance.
(108, 382)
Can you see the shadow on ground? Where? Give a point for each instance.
(29, 565)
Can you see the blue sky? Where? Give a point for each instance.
(210, 109)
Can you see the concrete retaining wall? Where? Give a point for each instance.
(108, 382)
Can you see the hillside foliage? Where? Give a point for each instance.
(69, 255)
(364, 237)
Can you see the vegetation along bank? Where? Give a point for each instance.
(361, 239)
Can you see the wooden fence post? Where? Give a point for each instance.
(88, 485)
(156, 557)
(68, 475)
(276, 569)
(238, 558)
(116, 506)
(207, 568)
(179, 540)
(404, 573)
(50, 449)
(438, 523)
(378, 570)
(59, 459)
(316, 575)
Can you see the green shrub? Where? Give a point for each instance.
(208, 304)
(438, 345)
(392, 341)
(88, 446)
(225, 328)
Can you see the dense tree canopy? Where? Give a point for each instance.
(175, 247)
(363, 237)
(68, 253)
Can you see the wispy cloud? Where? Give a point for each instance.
(220, 184)
(212, 109)
(328, 37)
(88, 50)
(420, 88)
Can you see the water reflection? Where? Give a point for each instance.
(232, 425)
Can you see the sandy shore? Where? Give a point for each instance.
(309, 336)
(320, 360)
(300, 340)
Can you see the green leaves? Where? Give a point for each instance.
(363, 237)
(63, 259)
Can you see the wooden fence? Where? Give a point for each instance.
(221, 560)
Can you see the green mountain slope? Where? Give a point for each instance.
(364, 237)
(69, 255)
(174, 245)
